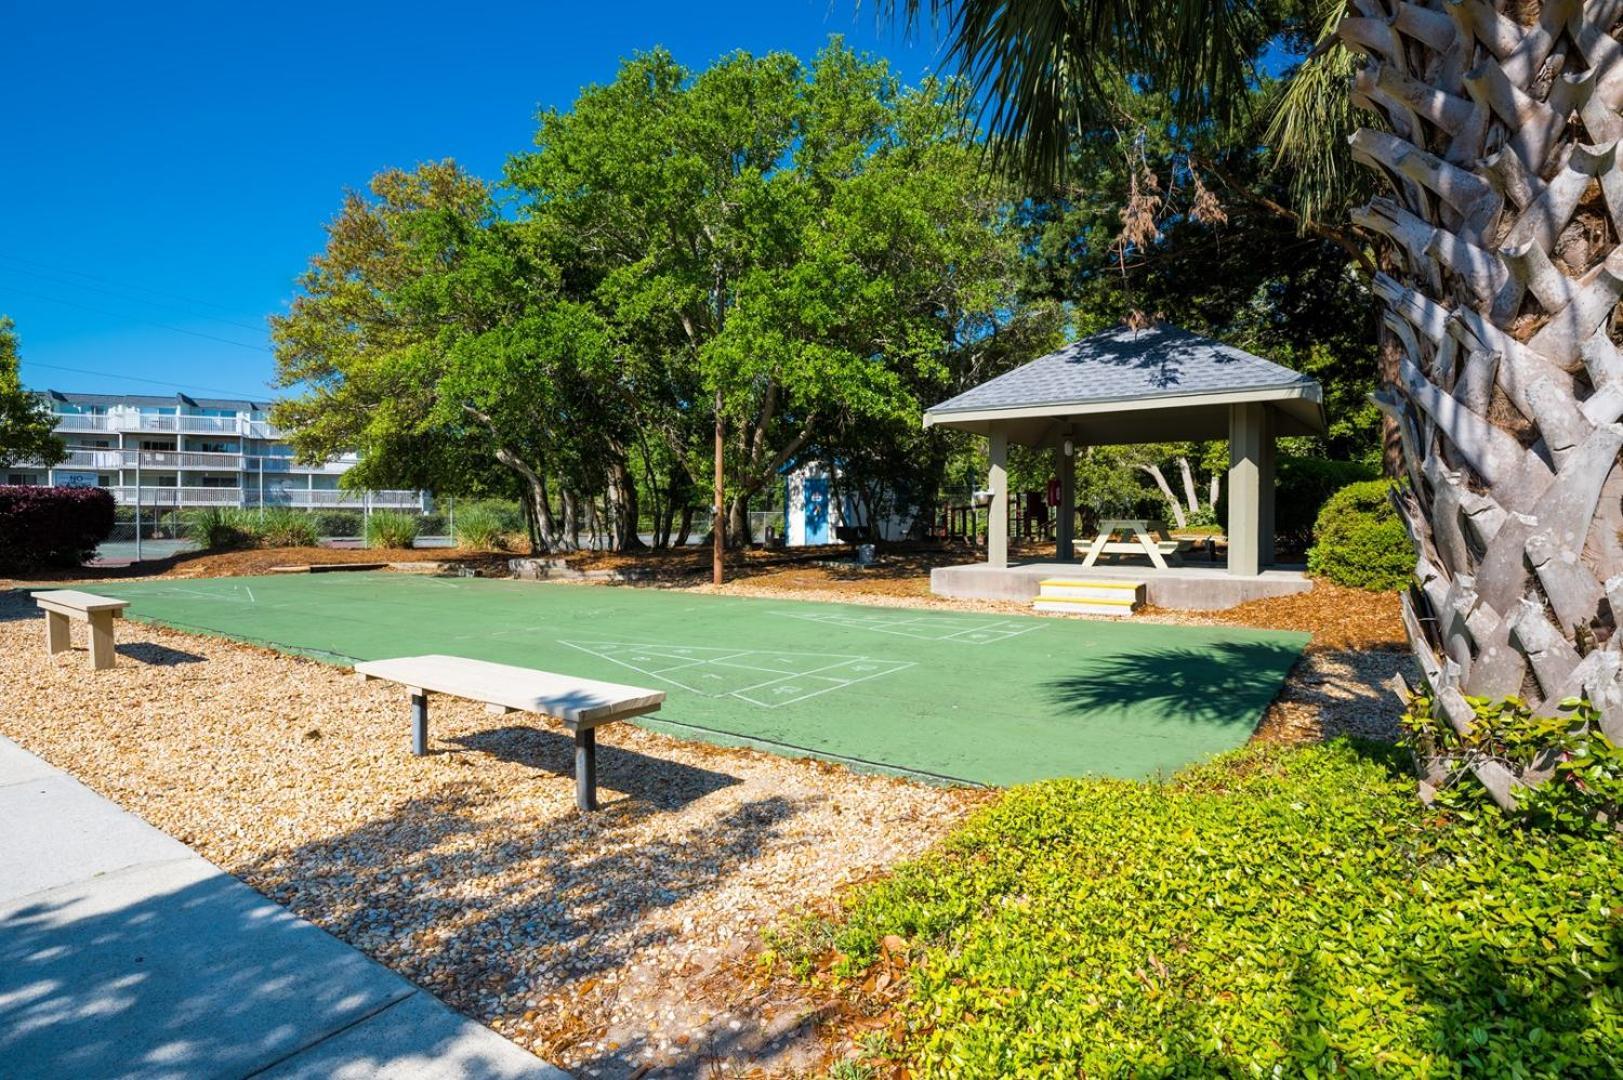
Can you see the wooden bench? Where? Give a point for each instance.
(581, 705)
(60, 605)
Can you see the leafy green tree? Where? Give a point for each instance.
(810, 251)
(25, 419)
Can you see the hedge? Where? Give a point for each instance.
(1360, 541)
(52, 526)
(1276, 912)
(1301, 487)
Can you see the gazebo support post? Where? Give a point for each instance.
(1251, 488)
(997, 515)
(1065, 512)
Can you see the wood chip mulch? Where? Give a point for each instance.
(608, 943)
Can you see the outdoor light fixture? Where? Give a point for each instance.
(1068, 448)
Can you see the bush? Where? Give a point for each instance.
(52, 526)
(219, 528)
(1275, 912)
(1583, 791)
(340, 523)
(1360, 541)
(283, 527)
(1302, 485)
(391, 529)
(480, 527)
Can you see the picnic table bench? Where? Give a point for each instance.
(1149, 538)
(60, 605)
(580, 705)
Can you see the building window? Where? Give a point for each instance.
(219, 481)
(21, 479)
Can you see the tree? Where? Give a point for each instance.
(1499, 280)
(25, 419)
(809, 251)
(807, 254)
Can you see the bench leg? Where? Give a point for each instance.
(56, 632)
(102, 655)
(586, 769)
(419, 724)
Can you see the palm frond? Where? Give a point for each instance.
(1309, 121)
(1042, 69)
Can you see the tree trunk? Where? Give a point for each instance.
(738, 521)
(1189, 484)
(1166, 492)
(686, 528)
(1505, 387)
(624, 513)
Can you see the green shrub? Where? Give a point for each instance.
(1302, 485)
(1360, 541)
(481, 528)
(339, 523)
(1584, 790)
(221, 527)
(509, 514)
(1275, 912)
(391, 529)
(285, 527)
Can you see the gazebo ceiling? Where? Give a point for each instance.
(1133, 386)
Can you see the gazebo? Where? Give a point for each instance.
(1160, 384)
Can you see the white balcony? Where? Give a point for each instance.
(327, 498)
(150, 459)
(165, 497)
(82, 422)
(126, 420)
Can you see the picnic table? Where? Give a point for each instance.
(1148, 538)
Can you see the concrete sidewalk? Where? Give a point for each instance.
(125, 954)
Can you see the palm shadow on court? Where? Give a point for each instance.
(1224, 683)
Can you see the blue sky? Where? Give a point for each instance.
(166, 169)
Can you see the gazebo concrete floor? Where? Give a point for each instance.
(1196, 586)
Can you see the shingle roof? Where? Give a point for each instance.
(1156, 364)
(161, 400)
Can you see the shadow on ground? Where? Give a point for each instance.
(205, 979)
(659, 783)
(1199, 684)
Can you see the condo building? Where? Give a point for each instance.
(181, 451)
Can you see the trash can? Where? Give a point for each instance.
(864, 554)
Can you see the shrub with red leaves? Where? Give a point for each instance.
(52, 526)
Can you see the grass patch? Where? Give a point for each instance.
(1277, 911)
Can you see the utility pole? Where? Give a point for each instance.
(718, 523)
(138, 506)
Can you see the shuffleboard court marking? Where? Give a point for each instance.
(715, 672)
(922, 627)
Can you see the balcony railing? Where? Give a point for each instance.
(248, 464)
(163, 497)
(298, 498)
(192, 425)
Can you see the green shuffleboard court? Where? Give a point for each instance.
(957, 696)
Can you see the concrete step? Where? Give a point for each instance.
(1089, 596)
(1118, 609)
(1091, 589)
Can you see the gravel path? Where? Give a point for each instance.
(601, 942)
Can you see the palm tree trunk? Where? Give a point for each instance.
(1505, 209)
